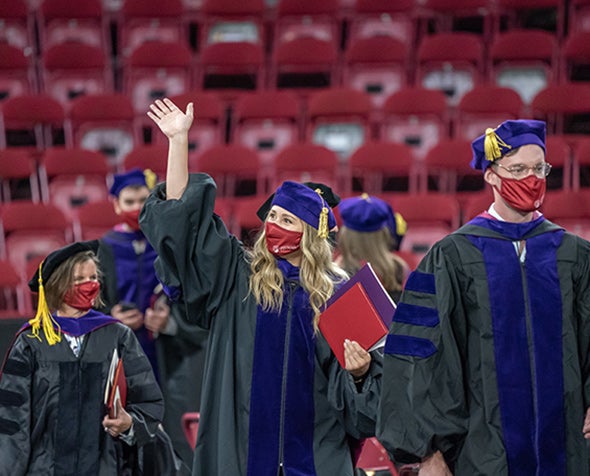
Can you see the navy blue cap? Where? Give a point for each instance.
(368, 213)
(306, 204)
(136, 177)
(509, 135)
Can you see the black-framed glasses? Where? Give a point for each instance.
(521, 171)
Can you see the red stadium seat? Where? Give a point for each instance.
(485, 106)
(94, 219)
(72, 69)
(17, 72)
(450, 62)
(383, 18)
(447, 169)
(17, 165)
(267, 121)
(61, 21)
(417, 117)
(208, 127)
(17, 26)
(339, 119)
(376, 65)
(232, 66)
(231, 21)
(307, 162)
(430, 217)
(525, 60)
(156, 70)
(33, 120)
(142, 21)
(304, 64)
(383, 166)
(190, 426)
(233, 167)
(32, 230)
(104, 122)
(72, 177)
(151, 156)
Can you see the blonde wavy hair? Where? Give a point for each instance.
(318, 273)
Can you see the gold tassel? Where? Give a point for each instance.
(323, 221)
(44, 318)
(323, 224)
(400, 225)
(492, 144)
(150, 178)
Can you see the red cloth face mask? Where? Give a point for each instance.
(281, 242)
(131, 218)
(525, 195)
(82, 295)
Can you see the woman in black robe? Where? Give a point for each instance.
(52, 386)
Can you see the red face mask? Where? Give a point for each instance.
(525, 195)
(131, 218)
(82, 295)
(281, 242)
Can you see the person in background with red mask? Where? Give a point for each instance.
(127, 259)
(275, 400)
(487, 364)
(52, 386)
(131, 295)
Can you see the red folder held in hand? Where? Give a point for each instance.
(352, 316)
(116, 389)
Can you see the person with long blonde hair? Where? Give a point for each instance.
(370, 231)
(275, 400)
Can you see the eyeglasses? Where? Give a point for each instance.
(521, 171)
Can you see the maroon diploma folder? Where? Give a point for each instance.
(352, 316)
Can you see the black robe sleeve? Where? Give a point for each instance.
(15, 410)
(423, 402)
(193, 246)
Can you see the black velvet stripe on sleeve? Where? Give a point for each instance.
(11, 399)
(16, 367)
(8, 427)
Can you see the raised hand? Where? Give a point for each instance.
(169, 118)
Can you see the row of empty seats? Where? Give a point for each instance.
(341, 119)
(524, 60)
(379, 57)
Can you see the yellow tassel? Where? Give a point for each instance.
(323, 221)
(150, 178)
(323, 224)
(365, 196)
(492, 144)
(44, 318)
(400, 225)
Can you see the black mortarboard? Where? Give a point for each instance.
(328, 195)
(57, 257)
(43, 318)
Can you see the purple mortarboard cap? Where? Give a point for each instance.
(305, 203)
(133, 177)
(509, 135)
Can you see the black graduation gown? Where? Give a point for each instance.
(488, 358)
(273, 393)
(51, 405)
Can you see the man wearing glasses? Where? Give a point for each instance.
(487, 364)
